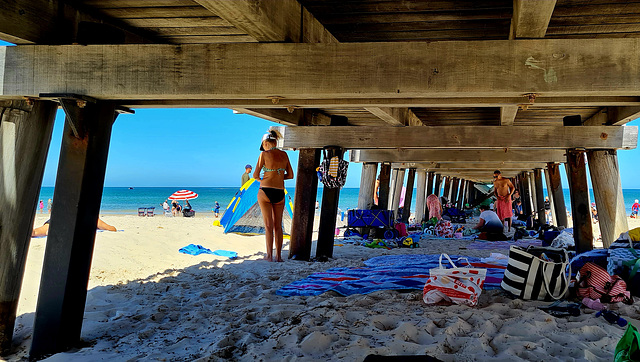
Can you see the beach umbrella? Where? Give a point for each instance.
(183, 195)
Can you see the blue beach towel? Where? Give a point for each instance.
(388, 272)
(193, 249)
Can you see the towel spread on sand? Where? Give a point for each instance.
(503, 207)
(193, 249)
(488, 245)
(387, 272)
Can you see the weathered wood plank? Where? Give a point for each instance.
(613, 116)
(270, 21)
(396, 116)
(508, 115)
(439, 69)
(305, 200)
(50, 22)
(531, 18)
(466, 102)
(406, 207)
(580, 207)
(458, 137)
(178, 21)
(275, 115)
(558, 195)
(367, 185)
(451, 156)
(421, 180)
(383, 190)
(25, 131)
(607, 189)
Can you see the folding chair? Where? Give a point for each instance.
(150, 211)
(142, 211)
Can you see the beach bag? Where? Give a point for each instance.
(443, 229)
(537, 273)
(594, 282)
(334, 171)
(454, 285)
(565, 240)
(628, 348)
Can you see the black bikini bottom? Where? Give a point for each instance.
(274, 195)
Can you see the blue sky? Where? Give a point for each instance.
(209, 147)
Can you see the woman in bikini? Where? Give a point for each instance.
(275, 167)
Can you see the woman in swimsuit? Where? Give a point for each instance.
(275, 166)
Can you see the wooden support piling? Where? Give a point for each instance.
(550, 196)
(580, 208)
(525, 195)
(534, 196)
(367, 185)
(397, 192)
(454, 191)
(437, 185)
(447, 187)
(304, 204)
(392, 187)
(383, 191)
(421, 176)
(430, 190)
(72, 230)
(537, 176)
(607, 189)
(557, 194)
(25, 134)
(328, 214)
(406, 210)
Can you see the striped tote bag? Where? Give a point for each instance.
(537, 273)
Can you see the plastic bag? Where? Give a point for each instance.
(564, 240)
(454, 285)
(628, 348)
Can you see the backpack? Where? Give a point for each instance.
(334, 171)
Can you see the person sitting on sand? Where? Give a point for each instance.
(44, 229)
(271, 196)
(490, 225)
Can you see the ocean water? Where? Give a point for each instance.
(122, 200)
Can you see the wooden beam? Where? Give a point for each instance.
(613, 116)
(328, 214)
(305, 201)
(383, 191)
(241, 71)
(396, 116)
(271, 21)
(452, 156)
(57, 22)
(557, 194)
(607, 189)
(531, 18)
(435, 166)
(25, 134)
(74, 216)
(508, 115)
(486, 101)
(294, 118)
(462, 137)
(580, 207)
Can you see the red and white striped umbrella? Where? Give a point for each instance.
(183, 195)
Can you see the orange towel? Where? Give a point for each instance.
(333, 166)
(434, 206)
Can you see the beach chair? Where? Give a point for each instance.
(142, 211)
(150, 211)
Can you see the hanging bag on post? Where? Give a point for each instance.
(537, 273)
(334, 171)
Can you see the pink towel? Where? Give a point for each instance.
(434, 206)
(503, 207)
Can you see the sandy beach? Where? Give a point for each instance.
(147, 301)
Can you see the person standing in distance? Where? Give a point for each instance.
(246, 176)
(503, 189)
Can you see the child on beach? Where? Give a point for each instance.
(41, 207)
(217, 209)
(634, 209)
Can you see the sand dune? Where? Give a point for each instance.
(146, 301)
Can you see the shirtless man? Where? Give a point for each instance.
(503, 191)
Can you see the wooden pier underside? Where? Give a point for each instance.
(449, 89)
